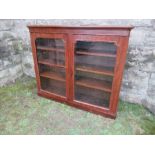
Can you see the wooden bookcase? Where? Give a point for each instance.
(80, 66)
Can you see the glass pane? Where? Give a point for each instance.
(94, 69)
(51, 60)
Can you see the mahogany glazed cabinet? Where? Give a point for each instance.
(80, 66)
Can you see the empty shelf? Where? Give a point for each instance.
(94, 84)
(48, 63)
(53, 76)
(94, 70)
(50, 49)
(95, 54)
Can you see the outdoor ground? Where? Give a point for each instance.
(23, 112)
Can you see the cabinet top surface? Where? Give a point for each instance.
(82, 26)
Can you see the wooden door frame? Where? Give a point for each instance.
(118, 71)
(40, 91)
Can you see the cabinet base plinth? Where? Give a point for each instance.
(82, 106)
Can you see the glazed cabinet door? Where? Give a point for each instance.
(94, 66)
(51, 64)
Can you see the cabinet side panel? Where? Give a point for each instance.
(118, 75)
(33, 38)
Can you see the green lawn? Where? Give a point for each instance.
(23, 112)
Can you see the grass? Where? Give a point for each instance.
(23, 112)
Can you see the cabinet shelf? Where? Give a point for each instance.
(94, 84)
(50, 49)
(53, 76)
(94, 70)
(95, 54)
(48, 63)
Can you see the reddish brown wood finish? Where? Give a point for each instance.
(117, 35)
